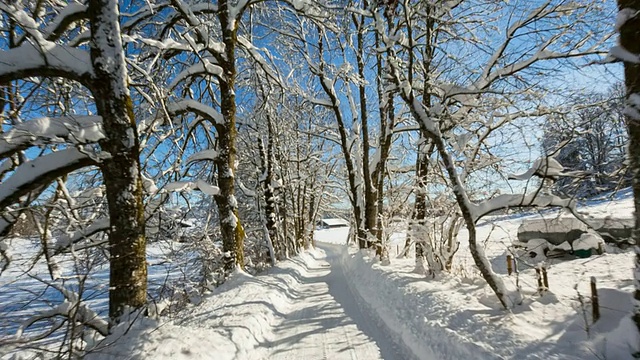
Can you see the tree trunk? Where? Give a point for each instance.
(357, 202)
(477, 253)
(386, 128)
(271, 233)
(269, 191)
(370, 195)
(231, 229)
(630, 41)
(128, 269)
(424, 153)
(420, 209)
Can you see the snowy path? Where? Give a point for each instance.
(302, 309)
(327, 322)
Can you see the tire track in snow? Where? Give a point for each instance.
(326, 322)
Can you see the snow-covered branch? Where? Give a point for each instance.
(44, 170)
(71, 13)
(203, 68)
(75, 130)
(45, 59)
(506, 201)
(198, 108)
(492, 72)
(72, 308)
(189, 14)
(209, 155)
(67, 240)
(201, 185)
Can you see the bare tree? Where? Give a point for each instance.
(589, 141)
(446, 122)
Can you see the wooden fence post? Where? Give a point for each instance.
(595, 303)
(539, 278)
(545, 279)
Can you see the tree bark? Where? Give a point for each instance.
(370, 195)
(231, 229)
(420, 209)
(630, 41)
(128, 269)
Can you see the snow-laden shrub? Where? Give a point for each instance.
(437, 243)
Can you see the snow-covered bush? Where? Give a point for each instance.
(436, 243)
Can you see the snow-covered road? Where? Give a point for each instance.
(301, 309)
(327, 320)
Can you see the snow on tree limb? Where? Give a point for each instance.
(625, 15)
(188, 13)
(201, 185)
(6, 166)
(254, 52)
(197, 108)
(548, 9)
(72, 12)
(6, 221)
(69, 239)
(203, 68)
(67, 129)
(39, 56)
(519, 200)
(632, 110)
(72, 307)
(547, 167)
(143, 13)
(42, 171)
(47, 59)
(619, 53)
(203, 155)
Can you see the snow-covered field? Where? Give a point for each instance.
(457, 316)
(336, 302)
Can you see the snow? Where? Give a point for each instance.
(333, 236)
(206, 67)
(632, 109)
(559, 225)
(28, 174)
(587, 241)
(72, 238)
(107, 43)
(199, 184)
(67, 129)
(334, 222)
(338, 302)
(71, 9)
(30, 59)
(620, 53)
(506, 201)
(203, 155)
(196, 107)
(458, 317)
(543, 167)
(301, 309)
(623, 16)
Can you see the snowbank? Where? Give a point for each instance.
(459, 318)
(231, 323)
(405, 311)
